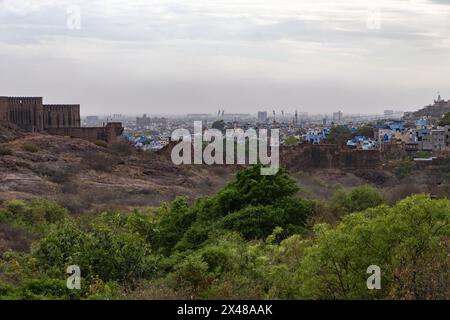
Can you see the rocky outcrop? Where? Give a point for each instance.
(327, 156)
(82, 175)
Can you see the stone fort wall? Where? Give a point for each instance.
(25, 112)
(62, 116)
(109, 133)
(30, 114)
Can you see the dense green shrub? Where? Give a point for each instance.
(34, 216)
(44, 289)
(357, 199)
(231, 246)
(408, 242)
(252, 204)
(101, 143)
(339, 134)
(109, 250)
(4, 151)
(291, 141)
(29, 147)
(403, 168)
(113, 252)
(62, 246)
(423, 154)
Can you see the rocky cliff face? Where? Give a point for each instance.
(307, 156)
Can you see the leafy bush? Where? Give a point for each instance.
(423, 154)
(357, 199)
(62, 246)
(445, 119)
(101, 143)
(172, 222)
(4, 151)
(34, 216)
(258, 222)
(366, 131)
(29, 147)
(192, 274)
(407, 241)
(339, 135)
(109, 250)
(113, 252)
(43, 289)
(291, 141)
(231, 246)
(403, 168)
(252, 204)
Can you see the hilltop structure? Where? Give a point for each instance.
(30, 114)
(434, 111)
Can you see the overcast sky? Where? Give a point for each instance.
(187, 56)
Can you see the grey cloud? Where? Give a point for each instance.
(441, 1)
(184, 58)
(184, 24)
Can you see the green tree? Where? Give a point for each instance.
(110, 250)
(357, 199)
(113, 252)
(423, 154)
(445, 121)
(366, 131)
(291, 141)
(252, 204)
(408, 242)
(34, 216)
(252, 188)
(62, 246)
(339, 135)
(403, 168)
(172, 221)
(219, 125)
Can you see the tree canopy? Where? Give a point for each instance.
(252, 240)
(339, 135)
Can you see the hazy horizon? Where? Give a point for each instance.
(178, 57)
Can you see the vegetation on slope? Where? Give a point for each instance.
(252, 240)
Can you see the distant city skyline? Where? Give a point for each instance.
(179, 57)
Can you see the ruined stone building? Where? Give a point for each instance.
(30, 114)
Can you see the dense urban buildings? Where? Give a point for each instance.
(262, 116)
